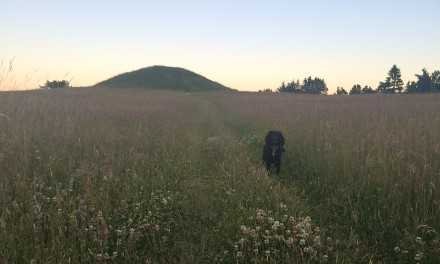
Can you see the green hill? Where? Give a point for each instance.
(162, 77)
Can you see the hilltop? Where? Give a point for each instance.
(164, 78)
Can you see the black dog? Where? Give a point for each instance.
(273, 149)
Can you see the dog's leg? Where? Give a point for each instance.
(278, 165)
(268, 163)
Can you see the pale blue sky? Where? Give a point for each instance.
(246, 45)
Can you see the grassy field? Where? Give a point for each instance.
(137, 176)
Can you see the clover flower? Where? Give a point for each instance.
(317, 241)
(244, 229)
(281, 237)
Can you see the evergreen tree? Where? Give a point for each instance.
(282, 88)
(424, 82)
(394, 80)
(341, 90)
(314, 86)
(393, 83)
(292, 87)
(356, 89)
(384, 87)
(411, 87)
(368, 90)
(435, 81)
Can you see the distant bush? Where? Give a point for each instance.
(55, 84)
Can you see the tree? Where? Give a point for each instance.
(384, 87)
(424, 82)
(282, 88)
(314, 86)
(55, 84)
(292, 87)
(368, 90)
(395, 79)
(356, 89)
(341, 90)
(267, 90)
(411, 87)
(393, 83)
(435, 81)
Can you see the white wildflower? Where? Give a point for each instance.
(317, 241)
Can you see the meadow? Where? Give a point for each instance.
(142, 176)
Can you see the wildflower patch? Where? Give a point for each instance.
(264, 237)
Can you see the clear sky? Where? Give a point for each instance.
(244, 44)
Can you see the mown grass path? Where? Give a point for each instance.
(229, 182)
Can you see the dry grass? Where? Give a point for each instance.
(152, 176)
(368, 165)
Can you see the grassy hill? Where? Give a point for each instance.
(164, 78)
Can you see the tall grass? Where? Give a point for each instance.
(135, 176)
(368, 166)
(128, 176)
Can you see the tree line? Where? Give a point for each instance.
(55, 84)
(393, 84)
